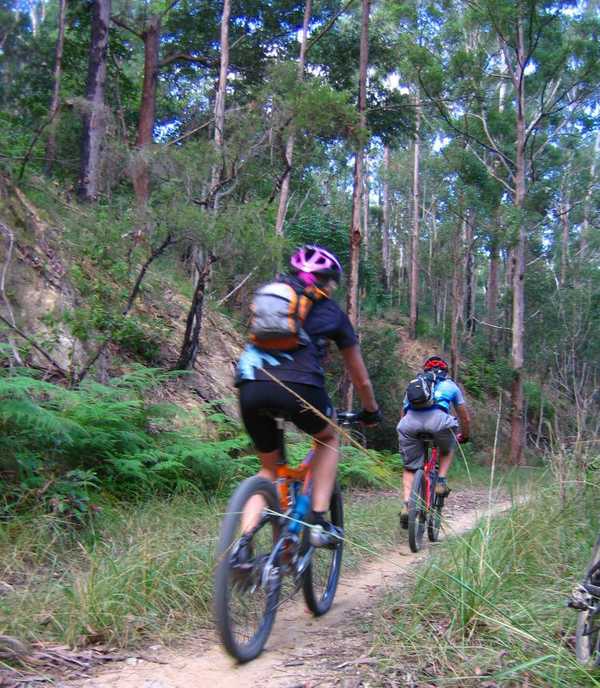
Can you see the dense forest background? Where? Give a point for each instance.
(160, 159)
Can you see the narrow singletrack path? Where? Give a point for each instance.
(302, 652)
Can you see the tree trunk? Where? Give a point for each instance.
(585, 227)
(564, 243)
(289, 148)
(94, 123)
(414, 243)
(191, 338)
(219, 112)
(147, 114)
(55, 101)
(385, 229)
(365, 206)
(355, 229)
(444, 311)
(492, 299)
(457, 297)
(518, 284)
(469, 275)
(540, 424)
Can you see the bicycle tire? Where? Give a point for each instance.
(434, 520)
(319, 593)
(417, 515)
(587, 633)
(226, 584)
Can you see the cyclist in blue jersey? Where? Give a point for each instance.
(437, 420)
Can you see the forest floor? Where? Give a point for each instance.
(334, 650)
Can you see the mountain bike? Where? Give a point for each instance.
(586, 600)
(425, 506)
(252, 565)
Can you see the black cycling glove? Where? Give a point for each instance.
(370, 417)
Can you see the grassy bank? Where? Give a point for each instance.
(142, 572)
(489, 609)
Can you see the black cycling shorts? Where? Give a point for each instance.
(261, 401)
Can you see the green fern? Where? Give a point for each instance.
(111, 432)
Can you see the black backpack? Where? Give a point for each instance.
(420, 391)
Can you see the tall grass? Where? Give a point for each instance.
(491, 605)
(142, 572)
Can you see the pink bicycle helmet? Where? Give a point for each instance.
(310, 262)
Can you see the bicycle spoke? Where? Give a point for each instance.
(248, 597)
(322, 564)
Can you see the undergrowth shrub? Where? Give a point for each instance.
(369, 468)
(483, 376)
(537, 402)
(62, 444)
(59, 447)
(357, 467)
(379, 344)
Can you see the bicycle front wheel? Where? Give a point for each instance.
(245, 603)
(434, 518)
(587, 634)
(417, 512)
(321, 578)
(434, 522)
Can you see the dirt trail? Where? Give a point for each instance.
(302, 652)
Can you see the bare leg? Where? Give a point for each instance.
(324, 468)
(445, 463)
(407, 481)
(256, 504)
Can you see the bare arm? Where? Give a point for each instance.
(465, 420)
(357, 370)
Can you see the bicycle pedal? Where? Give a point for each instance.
(579, 599)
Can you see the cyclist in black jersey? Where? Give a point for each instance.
(258, 373)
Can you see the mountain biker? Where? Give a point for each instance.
(259, 373)
(437, 420)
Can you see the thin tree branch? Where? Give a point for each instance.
(124, 25)
(496, 327)
(3, 274)
(239, 286)
(151, 258)
(168, 9)
(185, 57)
(493, 142)
(491, 172)
(329, 25)
(38, 348)
(134, 293)
(535, 154)
(34, 140)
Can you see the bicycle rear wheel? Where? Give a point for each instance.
(587, 634)
(417, 512)
(321, 577)
(244, 604)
